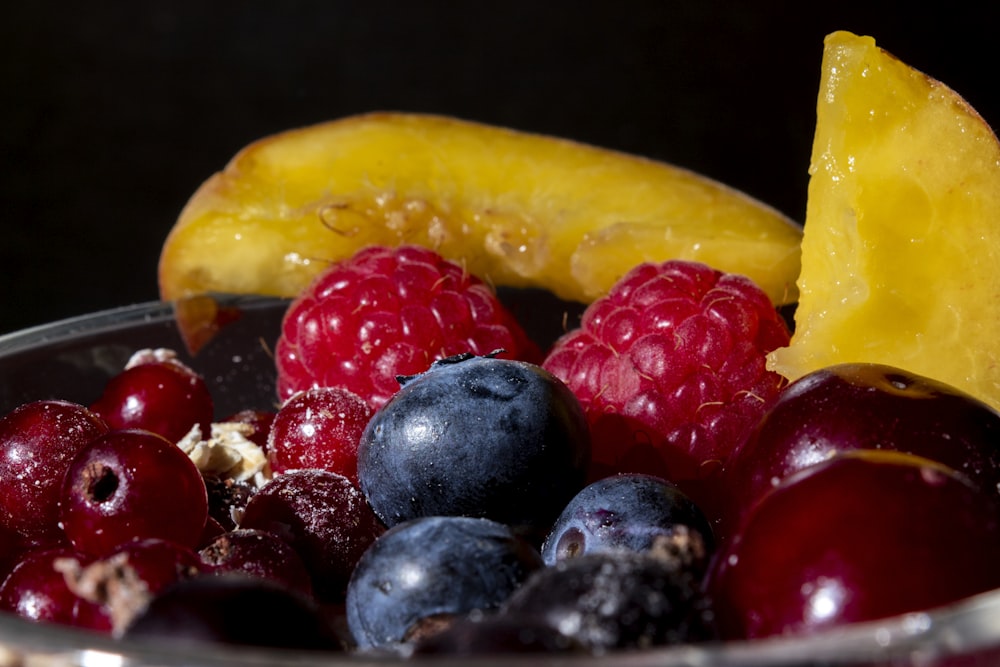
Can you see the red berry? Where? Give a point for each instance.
(388, 312)
(38, 441)
(158, 394)
(129, 485)
(670, 368)
(258, 554)
(37, 589)
(861, 536)
(319, 428)
(323, 516)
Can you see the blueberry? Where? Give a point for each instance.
(617, 600)
(432, 570)
(476, 436)
(634, 512)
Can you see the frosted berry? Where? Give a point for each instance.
(323, 516)
(387, 312)
(670, 368)
(319, 428)
(38, 440)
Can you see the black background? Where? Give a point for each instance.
(113, 113)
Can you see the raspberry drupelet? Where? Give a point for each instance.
(387, 312)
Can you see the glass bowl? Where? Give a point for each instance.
(74, 358)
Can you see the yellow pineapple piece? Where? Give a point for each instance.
(518, 209)
(901, 247)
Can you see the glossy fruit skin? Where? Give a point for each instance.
(324, 517)
(861, 536)
(622, 600)
(670, 368)
(631, 512)
(867, 406)
(38, 441)
(132, 484)
(319, 428)
(476, 436)
(37, 591)
(433, 568)
(233, 609)
(165, 397)
(386, 312)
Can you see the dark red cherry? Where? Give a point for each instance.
(866, 406)
(37, 442)
(862, 536)
(162, 396)
(129, 485)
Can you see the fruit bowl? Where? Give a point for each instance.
(73, 359)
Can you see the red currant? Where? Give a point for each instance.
(319, 428)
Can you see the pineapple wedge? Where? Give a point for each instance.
(901, 247)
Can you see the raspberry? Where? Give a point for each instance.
(389, 312)
(670, 368)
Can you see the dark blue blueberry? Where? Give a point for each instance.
(476, 436)
(633, 512)
(432, 570)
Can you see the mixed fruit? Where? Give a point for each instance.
(684, 464)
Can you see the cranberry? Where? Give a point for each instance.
(862, 536)
(132, 484)
(37, 589)
(260, 554)
(121, 584)
(323, 516)
(319, 428)
(165, 397)
(37, 442)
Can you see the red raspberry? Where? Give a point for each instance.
(670, 368)
(388, 312)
